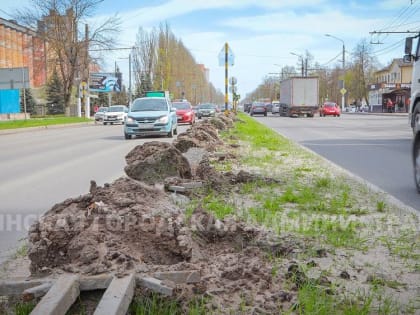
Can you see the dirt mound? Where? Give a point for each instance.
(201, 135)
(153, 161)
(108, 230)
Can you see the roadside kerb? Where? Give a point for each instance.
(39, 128)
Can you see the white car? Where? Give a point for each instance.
(116, 114)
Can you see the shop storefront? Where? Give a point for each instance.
(389, 97)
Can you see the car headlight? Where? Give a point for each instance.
(163, 120)
(130, 120)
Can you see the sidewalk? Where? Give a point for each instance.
(38, 128)
(376, 113)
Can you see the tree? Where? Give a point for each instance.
(161, 61)
(29, 102)
(362, 69)
(58, 23)
(54, 91)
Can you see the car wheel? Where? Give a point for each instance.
(176, 130)
(265, 114)
(416, 119)
(105, 123)
(170, 133)
(127, 136)
(416, 161)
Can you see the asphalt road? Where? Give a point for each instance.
(376, 148)
(42, 167)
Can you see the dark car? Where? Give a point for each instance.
(258, 109)
(247, 107)
(206, 110)
(416, 160)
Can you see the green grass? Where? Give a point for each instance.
(24, 308)
(154, 305)
(317, 300)
(259, 135)
(159, 305)
(39, 122)
(217, 206)
(22, 251)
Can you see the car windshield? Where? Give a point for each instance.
(329, 104)
(149, 104)
(259, 104)
(182, 105)
(206, 106)
(103, 109)
(116, 109)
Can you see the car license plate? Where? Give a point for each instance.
(179, 117)
(146, 126)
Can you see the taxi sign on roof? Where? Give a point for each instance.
(157, 94)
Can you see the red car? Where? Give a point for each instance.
(184, 112)
(329, 108)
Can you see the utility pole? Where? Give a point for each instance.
(129, 79)
(86, 92)
(226, 76)
(343, 89)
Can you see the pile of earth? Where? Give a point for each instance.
(133, 224)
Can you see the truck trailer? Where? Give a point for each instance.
(299, 96)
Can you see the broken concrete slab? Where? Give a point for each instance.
(117, 298)
(60, 297)
(156, 285)
(179, 277)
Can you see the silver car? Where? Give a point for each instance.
(100, 113)
(276, 108)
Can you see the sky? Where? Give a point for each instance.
(261, 34)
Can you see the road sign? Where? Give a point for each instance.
(221, 57)
(233, 80)
(343, 91)
(232, 89)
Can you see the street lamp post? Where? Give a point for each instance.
(301, 59)
(280, 79)
(344, 69)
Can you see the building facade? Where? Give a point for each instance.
(22, 47)
(392, 84)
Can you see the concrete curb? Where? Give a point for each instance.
(39, 128)
(377, 114)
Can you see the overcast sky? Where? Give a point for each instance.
(262, 34)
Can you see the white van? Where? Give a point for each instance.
(275, 107)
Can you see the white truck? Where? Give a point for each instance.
(414, 111)
(299, 96)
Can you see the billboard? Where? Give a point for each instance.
(9, 101)
(105, 82)
(14, 78)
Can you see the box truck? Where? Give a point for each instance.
(299, 96)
